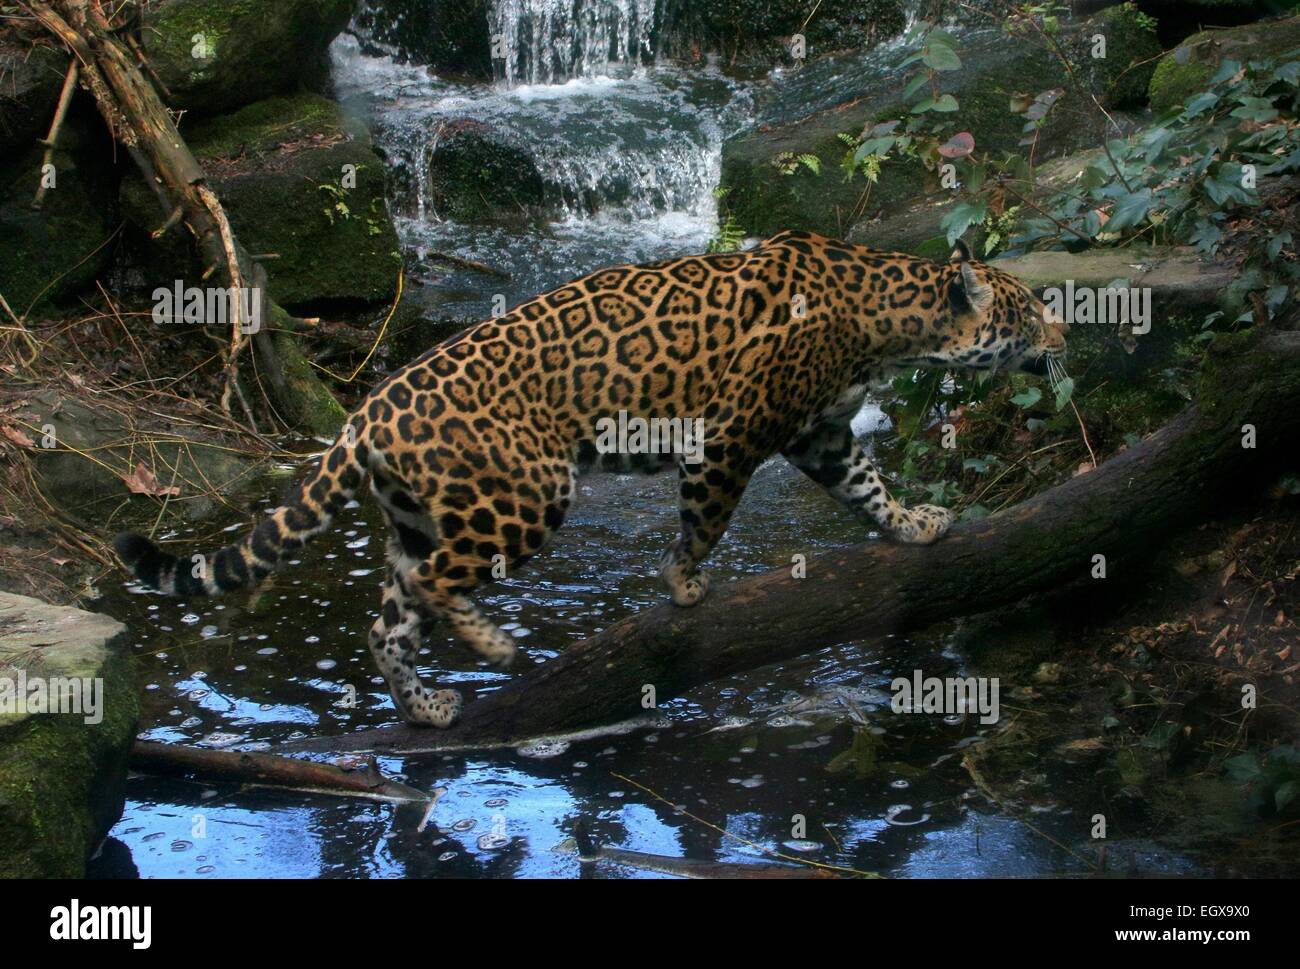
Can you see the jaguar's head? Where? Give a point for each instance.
(999, 323)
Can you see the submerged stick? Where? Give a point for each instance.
(269, 770)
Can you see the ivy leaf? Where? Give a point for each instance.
(1276, 243)
(1064, 391)
(1129, 211)
(1027, 398)
(941, 57)
(962, 216)
(958, 146)
(1255, 109)
(915, 84)
(1196, 105)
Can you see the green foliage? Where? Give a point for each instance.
(1273, 779)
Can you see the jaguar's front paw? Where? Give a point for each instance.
(925, 524)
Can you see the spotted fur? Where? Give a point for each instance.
(472, 450)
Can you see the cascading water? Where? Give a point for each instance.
(627, 153)
(547, 41)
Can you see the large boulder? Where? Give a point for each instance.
(452, 38)
(62, 764)
(31, 76)
(301, 184)
(51, 252)
(1187, 69)
(758, 33)
(85, 455)
(214, 55)
(764, 194)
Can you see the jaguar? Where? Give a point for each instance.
(472, 450)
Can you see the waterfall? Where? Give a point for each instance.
(549, 41)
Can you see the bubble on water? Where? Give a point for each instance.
(447, 856)
(197, 694)
(267, 651)
(493, 842)
(541, 749)
(219, 739)
(154, 837)
(240, 668)
(465, 824)
(495, 802)
(359, 573)
(900, 783)
(891, 816)
(182, 845)
(803, 846)
(326, 664)
(361, 542)
(190, 618)
(207, 632)
(205, 869)
(312, 639)
(191, 722)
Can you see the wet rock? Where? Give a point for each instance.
(205, 468)
(302, 186)
(452, 38)
(215, 55)
(764, 196)
(62, 779)
(1187, 69)
(475, 174)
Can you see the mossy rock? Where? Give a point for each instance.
(300, 183)
(1186, 70)
(92, 448)
(475, 174)
(62, 779)
(756, 34)
(52, 252)
(764, 199)
(214, 55)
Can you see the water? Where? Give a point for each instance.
(747, 754)
(546, 41)
(629, 160)
(629, 155)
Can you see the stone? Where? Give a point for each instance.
(62, 779)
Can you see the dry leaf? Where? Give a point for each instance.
(142, 482)
(16, 435)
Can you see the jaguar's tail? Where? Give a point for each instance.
(308, 511)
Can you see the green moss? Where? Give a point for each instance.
(299, 182)
(1187, 69)
(52, 252)
(312, 408)
(254, 47)
(1173, 83)
(265, 125)
(61, 780)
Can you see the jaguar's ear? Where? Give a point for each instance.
(969, 291)
(961, 253)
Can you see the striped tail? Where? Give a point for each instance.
(306, 514)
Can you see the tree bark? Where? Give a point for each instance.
(269, 770)
(137, 117)
(1120, 511)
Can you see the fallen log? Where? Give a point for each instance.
(1119, 511)
(257, 769)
